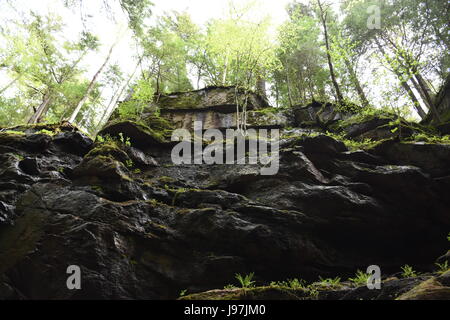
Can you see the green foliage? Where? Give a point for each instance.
(360, 278)
(330, 281)
(47, 132)
(124, 140)
(183, 292)
(129, 163)
(290, 283)
(230, 287)
(430, 138)
(354, 145)
(176, 54)
(408, 272)
(302, 76)
(443, 267)
(350, 107)
(246, 280)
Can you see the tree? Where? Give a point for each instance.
(410, 42)
(40, 63)
(323, 14)
(302, 76)
(90, 87)
(165, 55)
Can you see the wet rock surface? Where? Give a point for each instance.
(141, 227)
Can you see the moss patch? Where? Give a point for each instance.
(138, 132)
(109, 148)
(431, 289)
(258, 293)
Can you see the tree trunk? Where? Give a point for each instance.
(261, 87)
(90, 87)
(323, 17)
(289, 89)
(40, 110)
(115, 98)
(428, 96)
(356, 83)
(404, 85)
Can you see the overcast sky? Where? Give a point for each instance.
(108, 29)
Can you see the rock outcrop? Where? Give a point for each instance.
(141, 227)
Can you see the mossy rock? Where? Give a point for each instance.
(46, 127)
(11, 138)
(431, 289)
(139, 133)
(104, 167)
(219, 98)
(258, 293)
(108, 149)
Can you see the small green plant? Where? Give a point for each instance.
(360, 278)
(97, 188)
(290, 283)
(230, 286)
(330, 281)
(443, 267)
(126, 141)
(137, 171)
(153, 202)
(183, 292)
(106, 139)
(245, 281)
(296, 283)
(408, 272)
(430, 138)
(353, 145)
(448, 237)
(129, 163)
(313, 292)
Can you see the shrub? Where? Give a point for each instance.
(360, 278)
(408, 272)
(245, 281)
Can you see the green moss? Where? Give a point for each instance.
(267, 111)
(103, 167)
(187, 100)
(257, 293)
(364, 116)
(429, 138)
(97, 188)
(10, 138)
(166, 179)
(430, 289)
(13, 132)
(110, 148)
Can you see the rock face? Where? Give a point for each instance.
(325, 111)
(216, 108)
(140, 227)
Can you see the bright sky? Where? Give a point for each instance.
(108, 31)
(97, 20)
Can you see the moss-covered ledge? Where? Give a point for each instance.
(139, 133)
